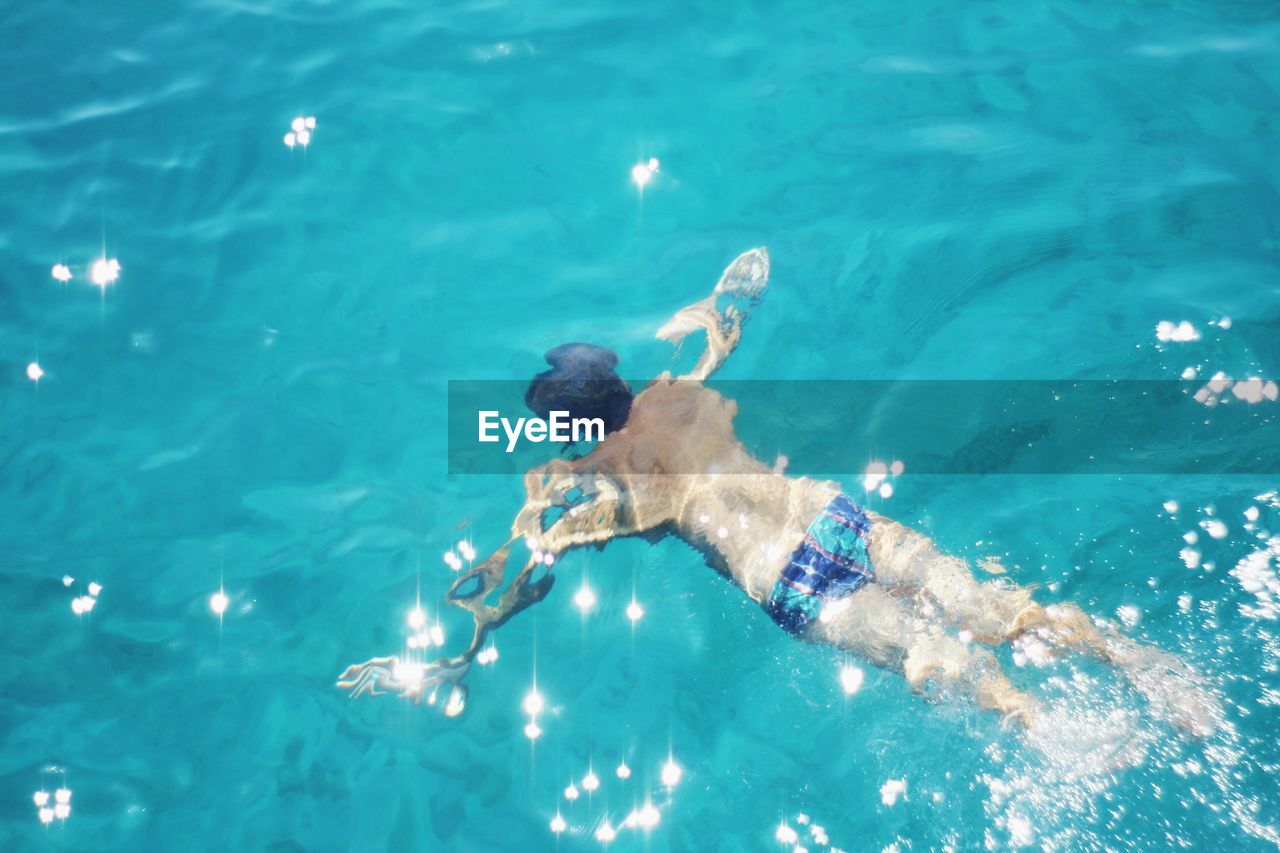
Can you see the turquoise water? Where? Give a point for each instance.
(980, 191)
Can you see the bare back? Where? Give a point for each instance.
(677, 464)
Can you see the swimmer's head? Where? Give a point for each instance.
(583, 383)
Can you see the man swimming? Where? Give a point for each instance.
(824, 568)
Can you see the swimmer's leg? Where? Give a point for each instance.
(995, 611)
(880, 628)
(1175, 692)
(909, 565)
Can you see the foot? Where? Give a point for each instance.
(1175, 692)
(1064, 627)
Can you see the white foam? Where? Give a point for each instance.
(1256, 574)
(891, 790)
(1215, 528)
(1180, 333)
(1021, 832)
(1129, 615)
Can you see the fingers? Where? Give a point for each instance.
(349, 676)
(355, 673)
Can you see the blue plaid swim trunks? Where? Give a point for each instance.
(831, 563)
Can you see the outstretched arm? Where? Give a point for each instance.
(591, 517)
(418, 681)
(721, 314)
(592, 510)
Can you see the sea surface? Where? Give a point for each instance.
(256, 406)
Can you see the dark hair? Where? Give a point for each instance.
(582, 382)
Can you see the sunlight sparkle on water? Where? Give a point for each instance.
(407, 674)
(606, 832)
(649, 816)
(634, 611)
(218, 603)
(61, 808)
(584, 599)
(571, 792)
(642, 173)
(590, 782)
(533, 703)
(34, 371)
(104, 272)
(532, 731)
(558, 825)
(671, 773)
(624, 772)
(61, 272)
(851, 679)
(834, 608)
(300, 131)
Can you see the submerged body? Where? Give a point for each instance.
(824, 568)
(677, 467)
